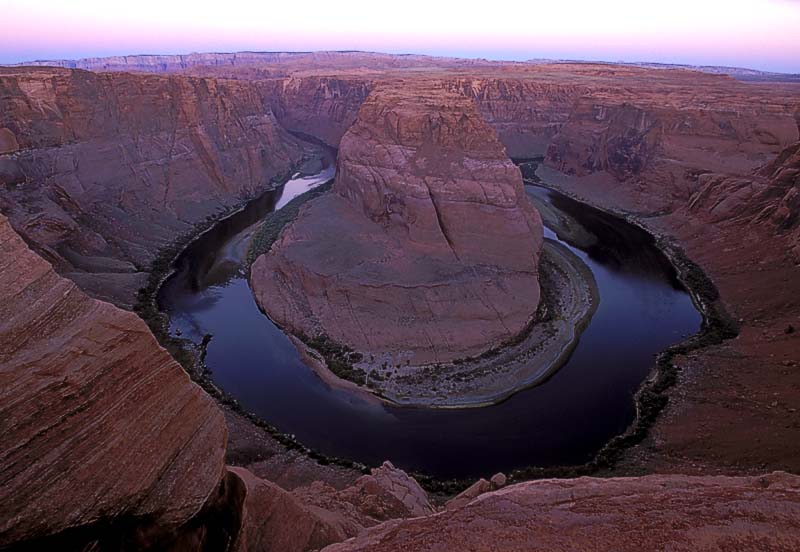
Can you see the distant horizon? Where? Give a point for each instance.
(401, 53)
(756, 34)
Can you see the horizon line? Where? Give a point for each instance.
(27, 62)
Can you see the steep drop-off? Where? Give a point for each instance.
(103, 432)
(105, 437)
(427, 249)
(98, 172)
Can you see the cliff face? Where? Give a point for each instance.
(635, 124)
(427, 248)
(102, 429)
(770, 195)
(107, 444)
(319, 106)
(525, 113)
(659, 145)
(106, 440)
(100, 171)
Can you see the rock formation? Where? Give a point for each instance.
(102, 429)
(427, 249)
(106, 442)
(100, 171)
(770, 196)
(320, 106)
(660, 512)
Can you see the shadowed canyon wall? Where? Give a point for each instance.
(100, 171)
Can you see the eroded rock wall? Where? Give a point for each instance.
(100, 171)
(102, 430)
(427, 249)
(320, 106)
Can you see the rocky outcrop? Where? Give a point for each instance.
(273, 519)
(403, 259)
(100, 171)
(312, 517)
(104, 435)
(770, 196)
(88, 392)
(647, 513)
(386, 493)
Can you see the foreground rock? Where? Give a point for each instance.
(312, 517)
(648, 513)
(102, 429)
(427, 249)
(107, 443)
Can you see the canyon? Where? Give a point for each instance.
(107, 441)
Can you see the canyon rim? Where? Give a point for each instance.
(421, 274)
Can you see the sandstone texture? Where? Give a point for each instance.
(100, 171)
(770, 197)
(648, 513)
(323, 107)
(309, 518)
(273, 519)
(101, 427)
(427, 249)
(106, 442)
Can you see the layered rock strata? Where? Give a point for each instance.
(427, 249)
(102, 429)
(99, 172)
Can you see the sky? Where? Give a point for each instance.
(760, 34)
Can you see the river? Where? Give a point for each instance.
(565, 420)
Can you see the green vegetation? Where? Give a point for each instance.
(275, 222)
(339, 358)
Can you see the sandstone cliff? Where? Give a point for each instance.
(100, 171)
(769, 196)
(427, 249)
(320, 106)
(103, 432)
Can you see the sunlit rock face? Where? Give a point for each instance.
(427, 247)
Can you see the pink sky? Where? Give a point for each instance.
(763, 34)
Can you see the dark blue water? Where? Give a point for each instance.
(564, 420)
